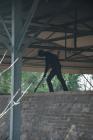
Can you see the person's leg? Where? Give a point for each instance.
(49, 78)
(61, 79)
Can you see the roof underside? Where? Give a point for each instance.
(63, 27)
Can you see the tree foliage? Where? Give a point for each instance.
(72, 81)
(34, 78)
(5, 83)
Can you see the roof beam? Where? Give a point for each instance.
(57, 28)
(6, 29)
(59, 47)
(28, 22)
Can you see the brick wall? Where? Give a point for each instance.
(4, 121)
(56, 116)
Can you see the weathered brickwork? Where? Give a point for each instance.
(4, 121)
(58, 116)
(55, 116)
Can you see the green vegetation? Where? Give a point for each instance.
(34, 78)
(5, 83)
(72, 81)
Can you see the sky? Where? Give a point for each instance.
(84, 84)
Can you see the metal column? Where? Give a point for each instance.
(75, 29)
(16, 70)
(18, 34)
(65, 44)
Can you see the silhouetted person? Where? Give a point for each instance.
(52, 62)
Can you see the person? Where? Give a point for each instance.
(52, 62)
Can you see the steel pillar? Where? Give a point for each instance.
(65, 45)
(16, 70)
(18, 34)
(75, 29)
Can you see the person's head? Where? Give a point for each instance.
(41, 53)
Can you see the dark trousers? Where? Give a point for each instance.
(57, 72)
